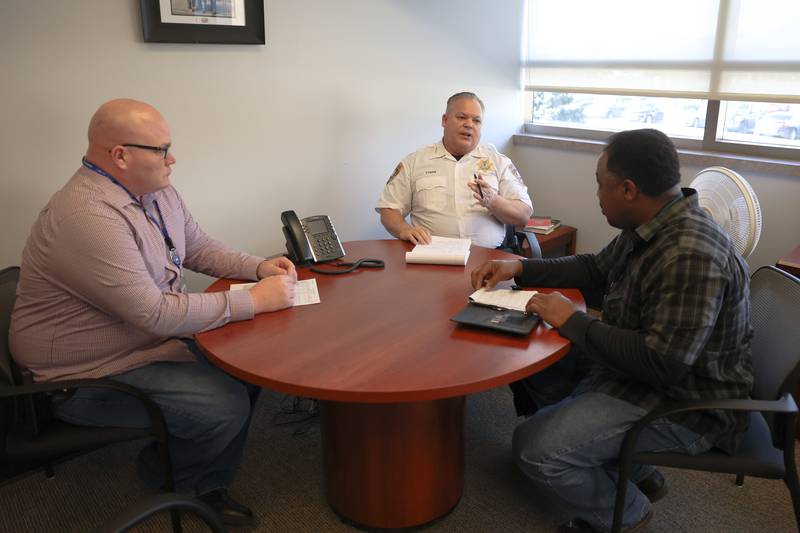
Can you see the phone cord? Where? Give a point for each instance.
(347, 267)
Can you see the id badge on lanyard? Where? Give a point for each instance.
(174, 256)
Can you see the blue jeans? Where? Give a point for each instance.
(207, 414)
(569, 450)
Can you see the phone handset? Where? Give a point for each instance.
(297, 245)
(312, 239)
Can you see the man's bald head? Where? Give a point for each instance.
(120, 121)
(130, 140)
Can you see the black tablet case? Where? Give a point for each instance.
(506, 320)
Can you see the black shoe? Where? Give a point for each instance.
(232, 512)
(654, 486)
(577, 525)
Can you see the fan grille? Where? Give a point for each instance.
(732, 203)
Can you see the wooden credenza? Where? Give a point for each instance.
(790, 262)
(560, 242)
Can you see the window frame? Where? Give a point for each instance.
(717, 65)
(709, 143)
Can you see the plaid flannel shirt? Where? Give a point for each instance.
(678, 281)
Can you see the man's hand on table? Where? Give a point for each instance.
(415, 235)
(273, 293)
(279, 266)
(491, 273)
(554, 308)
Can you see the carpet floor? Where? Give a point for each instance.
(281, 479)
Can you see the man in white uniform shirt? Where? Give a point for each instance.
(456, 187)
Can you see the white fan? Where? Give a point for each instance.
(731, 202)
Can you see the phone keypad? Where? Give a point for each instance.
(326, 245)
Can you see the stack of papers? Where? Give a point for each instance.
(441, 251)
(502, 298)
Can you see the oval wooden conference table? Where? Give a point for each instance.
(391, 372)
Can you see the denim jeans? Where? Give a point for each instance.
(207, 414)
(569, 450)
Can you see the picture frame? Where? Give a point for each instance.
(203, 21)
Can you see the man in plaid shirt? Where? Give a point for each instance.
(675, 326)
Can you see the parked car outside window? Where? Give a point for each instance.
(780, 124)
(646, 112)
(741, 120)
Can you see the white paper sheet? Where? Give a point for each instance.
(305, 291)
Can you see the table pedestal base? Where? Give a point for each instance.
(393, 465)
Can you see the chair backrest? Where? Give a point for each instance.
(775, 313)
(8, 293)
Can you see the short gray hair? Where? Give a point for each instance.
(465, 94)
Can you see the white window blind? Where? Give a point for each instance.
(707, 49)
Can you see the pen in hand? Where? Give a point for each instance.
(480, 191)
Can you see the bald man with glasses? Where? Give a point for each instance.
(102, 294)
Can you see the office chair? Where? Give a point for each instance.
(140, 512)
(767, 448)
(31, 439)
(521, 243)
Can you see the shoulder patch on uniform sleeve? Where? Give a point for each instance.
(515, 172)
(396, 171)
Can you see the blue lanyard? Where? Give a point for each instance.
(173, 253)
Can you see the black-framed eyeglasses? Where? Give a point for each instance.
(163, 149)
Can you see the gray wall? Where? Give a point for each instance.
(563, 185)
(314, 121)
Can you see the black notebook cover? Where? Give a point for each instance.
(506, 320)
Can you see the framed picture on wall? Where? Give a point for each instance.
(203, 21)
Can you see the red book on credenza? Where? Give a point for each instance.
(542, 224)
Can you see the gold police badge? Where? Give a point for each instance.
(485, 165)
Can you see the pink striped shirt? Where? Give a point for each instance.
(98, 294)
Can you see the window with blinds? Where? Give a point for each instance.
(716, 72)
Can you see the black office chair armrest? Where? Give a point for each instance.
(785, 404)
(513, 240)
(153, 411)
(533, 244)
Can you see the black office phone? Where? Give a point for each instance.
(310, 240)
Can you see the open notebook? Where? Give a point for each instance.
(505, 298)
(498, 309)
(441, 251)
